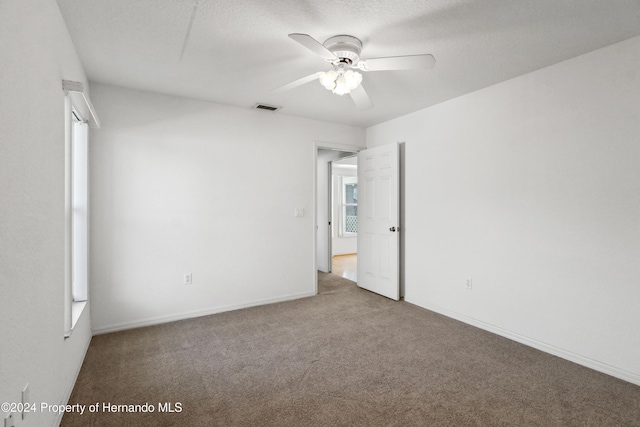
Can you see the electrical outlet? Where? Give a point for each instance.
(469, 284)
(188, 279)
(10, 420)
(25, 400)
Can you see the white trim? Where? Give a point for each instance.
(314, 224)
(68, 225)
(65, 401)
(314, 221)
(76, 91)
(338, 147)
(622, 374)
(77, 308)
(196, 313)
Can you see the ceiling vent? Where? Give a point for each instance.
(266, 107)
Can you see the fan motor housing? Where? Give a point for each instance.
(346, 48)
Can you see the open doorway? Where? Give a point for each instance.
(344, 217)
(326, 219)
(380, 260)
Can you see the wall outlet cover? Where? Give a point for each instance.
(25, 400)
(9, 420)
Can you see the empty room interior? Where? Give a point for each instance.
(176, 177)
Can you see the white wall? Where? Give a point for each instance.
(36, 53)
(341, 245)
(183, 186)
(532, 188)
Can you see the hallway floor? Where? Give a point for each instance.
(346, 266)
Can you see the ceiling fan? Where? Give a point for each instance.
(343, 53)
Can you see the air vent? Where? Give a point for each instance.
(266, 107)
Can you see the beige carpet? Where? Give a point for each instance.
(343, 358)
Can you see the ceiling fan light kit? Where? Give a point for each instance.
(341, 81)
(343, 53)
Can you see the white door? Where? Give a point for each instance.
(378, 220)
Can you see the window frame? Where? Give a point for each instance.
(76, 293)
(344, 181)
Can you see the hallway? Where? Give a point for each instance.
(345, 266)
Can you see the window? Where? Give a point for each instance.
(349, 208)
(77, 111)
(76, 202)
(79, 207)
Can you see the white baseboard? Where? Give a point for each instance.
(622, 374)
(139, 323)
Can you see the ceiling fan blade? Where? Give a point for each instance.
(313, 45)
(294, 84)
(410, 62)
(360, 98)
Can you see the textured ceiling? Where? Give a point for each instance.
(235, 52)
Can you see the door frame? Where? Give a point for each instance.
(327, 146)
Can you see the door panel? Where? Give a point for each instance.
(378, 217)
